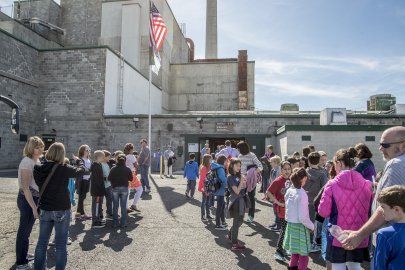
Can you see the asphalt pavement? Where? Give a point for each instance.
(167, 234)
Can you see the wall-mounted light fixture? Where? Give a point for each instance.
(200, 121)
(136, 121)
(45, 120)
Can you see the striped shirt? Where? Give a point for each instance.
(247, 160)
(393, 174)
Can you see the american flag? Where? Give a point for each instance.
(157, 28)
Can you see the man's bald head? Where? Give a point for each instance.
(397, 132)
(395, 138)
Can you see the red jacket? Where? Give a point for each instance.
(203, 173)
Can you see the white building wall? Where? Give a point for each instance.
(131, 35)
(331, 141)
(283, 146)
(125, 28)
(135, 98)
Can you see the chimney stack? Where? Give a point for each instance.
(211, 35)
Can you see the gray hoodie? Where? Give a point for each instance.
(316, 180)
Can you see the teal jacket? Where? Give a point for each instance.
(221, 175)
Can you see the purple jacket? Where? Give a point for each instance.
(347, 200)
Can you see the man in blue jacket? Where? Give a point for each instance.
(191, 174)
(220, 223)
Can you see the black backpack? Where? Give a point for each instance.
(212, 183)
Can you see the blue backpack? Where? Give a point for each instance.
(212, 183)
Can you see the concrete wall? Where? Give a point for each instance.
(207, 86)
(25, 34)
(46, 10)
(251, 85)
(18, 80)
(135, 98)
(330, 142)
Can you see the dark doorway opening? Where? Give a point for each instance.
(48, 140)
(215, 142)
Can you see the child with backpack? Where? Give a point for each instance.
(237, 205)
(299, 224)
(220, 223)
(191, 174)
(205, 207)
(276, 192)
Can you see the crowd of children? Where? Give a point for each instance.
(112, 179)
(316, 203)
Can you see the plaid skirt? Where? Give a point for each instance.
(296, 239)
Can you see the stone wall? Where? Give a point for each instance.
(46, 10)
(82, 22)
(18, 81)
(73, 85)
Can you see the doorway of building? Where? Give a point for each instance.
(48, 140)
(214, 143)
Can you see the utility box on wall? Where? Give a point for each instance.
(331, 116)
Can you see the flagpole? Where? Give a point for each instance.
(150, 100)
(150, 113)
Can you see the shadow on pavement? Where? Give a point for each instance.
(94, 237)
(172, 199)
(245, 258)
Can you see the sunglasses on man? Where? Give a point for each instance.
(388, 145)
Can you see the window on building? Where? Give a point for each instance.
(370, 138)
(306, 138)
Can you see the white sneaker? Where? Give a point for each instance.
(314, 248)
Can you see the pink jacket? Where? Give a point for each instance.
(252, 178)
(346, 200)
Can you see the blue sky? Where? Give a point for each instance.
(315, 53)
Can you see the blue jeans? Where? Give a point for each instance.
(324, 238)
(211, 200)
(220, 213)
(27, 220)
(108, 200)
(144, 176)
(120, 197)
(47, 220)
(205, 206)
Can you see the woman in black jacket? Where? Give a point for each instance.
(54, 204)
(97, 190)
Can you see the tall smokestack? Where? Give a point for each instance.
(211, 35)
